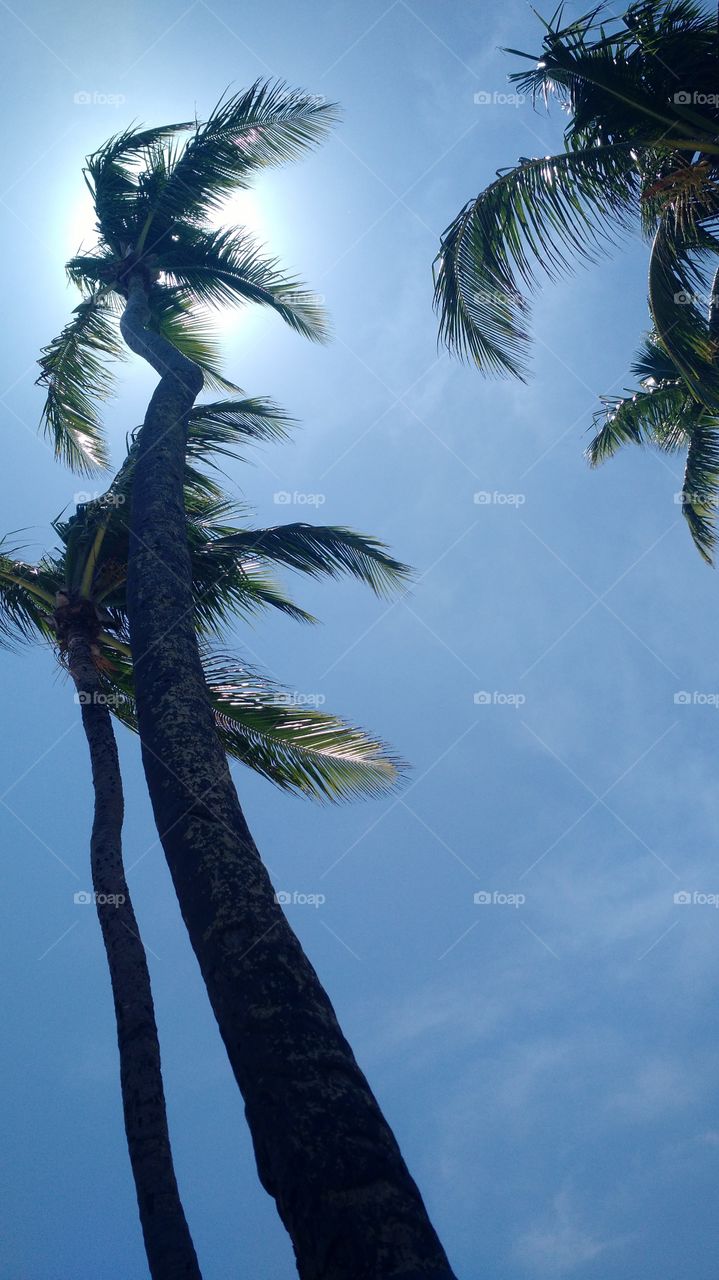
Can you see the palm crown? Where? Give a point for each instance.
(154, 191)
(302, 750)
(641, 149)
(636, 153)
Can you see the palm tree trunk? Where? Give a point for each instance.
(322, 1145)
(169, 1247)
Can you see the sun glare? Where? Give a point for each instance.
(242, 211)
(79, 234)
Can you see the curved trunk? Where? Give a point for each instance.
(322, 1145)
(169, 1247)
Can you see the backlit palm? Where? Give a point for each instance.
(300, 749)
(636, 154)
(154, 192)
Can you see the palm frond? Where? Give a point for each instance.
(73, 370)
(539, 215)
(679, 291)
(114, 184)
(618, 75)
(652, 363)
(26, 601)
(263, 125)
(700, 490)
(323, 549)
(173, 317)
(273, 732)
(220, 267)
(226, 588)
(652, 415)
(223, 426)
(298, 748)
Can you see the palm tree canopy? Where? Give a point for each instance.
(662, 413)
(298, 747)
(155, 191)
(636, 154)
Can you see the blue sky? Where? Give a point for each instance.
(549, 1067)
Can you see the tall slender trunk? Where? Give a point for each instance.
(169, 1247)
(322, 1145)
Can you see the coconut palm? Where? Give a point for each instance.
(323, 1148)
(641, 151)
(662, 413)
(74, 599)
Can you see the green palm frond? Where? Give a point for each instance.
(539, 215)
(173, 317)
(700, 490)
(322, 549)
(75, 376)
(219, 267)
(92, 272)
(266, 124)
(227, 586)
(115, 185)
(617, 75)
(226, 589)
(679, 297)
(652, 415)
(300, 749)
(27, 599)
(273, 732)
(652, 363)
(223, 426)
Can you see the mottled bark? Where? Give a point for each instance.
(322, 1145)
(169, 1247)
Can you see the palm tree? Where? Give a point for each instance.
(641, 150)
(75, 601)
(305, 751)
(663, 413)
